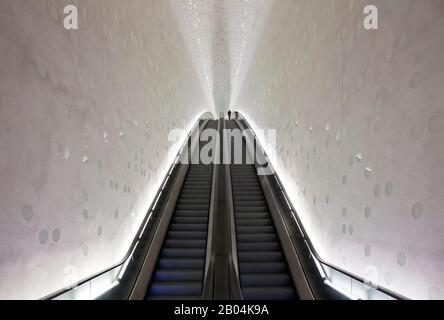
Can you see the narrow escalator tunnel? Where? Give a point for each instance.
(221, 150)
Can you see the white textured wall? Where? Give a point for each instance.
(360, 120)
(84, 122)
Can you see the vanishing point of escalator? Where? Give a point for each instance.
(179, 273)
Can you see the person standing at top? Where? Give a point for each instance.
(229, 115)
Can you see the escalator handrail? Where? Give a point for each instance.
(209, 257)
(234, 263)
(300, 226)
(206, 116)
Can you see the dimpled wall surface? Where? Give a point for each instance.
(360, 125)
(84, 123)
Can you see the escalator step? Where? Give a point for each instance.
(191, 213)
(195, 235)
(192, 207)
(187, 220)
(182, 263)
(266, 280)
(182, 243)
(178, 275)
(188, 227)
(183, 253)
(251, 209)
(254, 222)
(266, 267)
(176, 288)
(261, 256)
(253, 215)
(255, 229)
(257, 238)
(268, 293)
(258, 246)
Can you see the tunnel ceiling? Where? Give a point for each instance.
(221, 37)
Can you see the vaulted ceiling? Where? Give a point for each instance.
(222, 37)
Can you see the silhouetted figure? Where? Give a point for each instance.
(229, 115)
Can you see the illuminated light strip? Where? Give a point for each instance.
(125, 265)
(320, 268)
(157, 200)
(146, 223)
(166, 181)
(104, 290)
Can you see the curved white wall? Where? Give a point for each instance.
(84, 122)
(360, 120)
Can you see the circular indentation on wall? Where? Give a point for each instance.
(99, 230)
(43, 236)
(417, 80)
(116, 214)
(368, 172)
(344, 229)
(66, 153)
(314, 201)
(56, 235)
(129, 165)
(367, 212)
(327, 199)
(417, 210)
(435, 293)
(377, 190)
(376, 126)
(344, 179)
(351, 230)
(42, 71)
(436, 122)
(388, 278)
(351, 160)
(389, 53)
(85, 250)
(85, 214)
(388, 189)
(402, 259)
(367, 250)
(327, 142)
(27, 213)
(85, 196)
(344, 212)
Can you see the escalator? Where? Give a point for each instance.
(263, 270)
(179, 273)
(218, 231)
